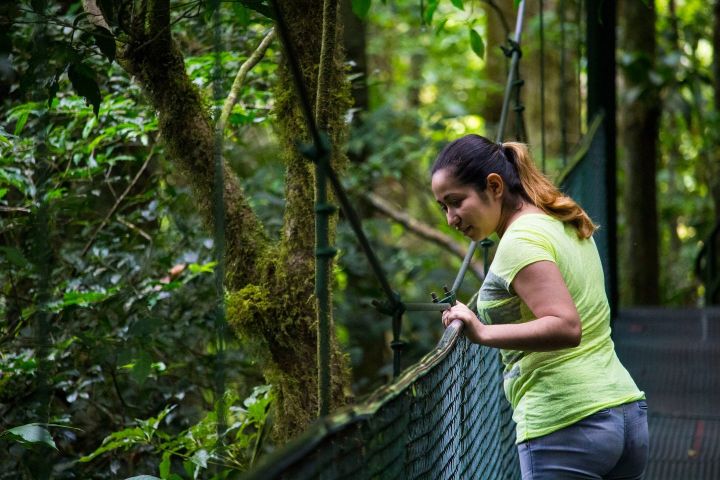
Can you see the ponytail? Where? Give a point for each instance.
(543, 194)
(472, 158)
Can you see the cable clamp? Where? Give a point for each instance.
(325, 208)
(326, 252)
(311, 150)
(393, 309)
(398, 345)
(512, 48)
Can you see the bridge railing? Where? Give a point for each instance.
(445, 417)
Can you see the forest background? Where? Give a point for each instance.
(109, 345)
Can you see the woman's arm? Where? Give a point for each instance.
(557, 325)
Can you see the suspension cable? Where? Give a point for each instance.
(542, 86)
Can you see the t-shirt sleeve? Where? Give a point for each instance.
(520, 248)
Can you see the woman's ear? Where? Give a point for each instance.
(495, 185)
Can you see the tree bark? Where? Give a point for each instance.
(640, 120)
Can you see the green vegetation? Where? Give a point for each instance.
(108, 344)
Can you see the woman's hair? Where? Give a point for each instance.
(472, 158)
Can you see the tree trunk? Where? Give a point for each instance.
(714, 163)
(640, 121)
(271, 301)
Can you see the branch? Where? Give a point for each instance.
(325, 67)
(254, 59)
(135, 228)
(14, 209)
(94, 14)
(424, 231)
(117, 203)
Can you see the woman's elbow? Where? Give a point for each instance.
(573, 330)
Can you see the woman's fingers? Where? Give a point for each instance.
(457, 312)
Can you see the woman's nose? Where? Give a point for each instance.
(452, 218)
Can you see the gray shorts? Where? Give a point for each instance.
(609, 444)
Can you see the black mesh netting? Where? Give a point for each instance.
(444, 418)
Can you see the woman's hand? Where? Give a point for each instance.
(473, 326)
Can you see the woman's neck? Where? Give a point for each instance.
(511, 214)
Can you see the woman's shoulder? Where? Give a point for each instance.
(533, 223)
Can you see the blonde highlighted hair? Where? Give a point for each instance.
(472, 158)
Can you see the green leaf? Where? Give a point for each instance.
(477, 44)
(22, 119)
(242, 13)
(430, 11)
(458, 4)
(361, 7)
(13, 255)
(52, 91)
(27, 312)
(440, 27)
(105, 41)
(209, 10)
(122, 439)
(189, 467)
(83, 299)
(206, 268)
(200, 458)
(88, 127)
(31, 433)
(3, 191)
(164, 466)
(83, 81)
(142, 367)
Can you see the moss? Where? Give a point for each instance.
(246, 308)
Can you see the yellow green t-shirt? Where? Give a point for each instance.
(551, 390)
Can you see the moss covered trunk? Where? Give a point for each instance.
(271, 302)
(295, 265)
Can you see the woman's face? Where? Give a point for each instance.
(475, 214)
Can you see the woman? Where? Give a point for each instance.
(578, 412)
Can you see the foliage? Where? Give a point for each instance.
(32, 433)
(198, 448)
(102, 252)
